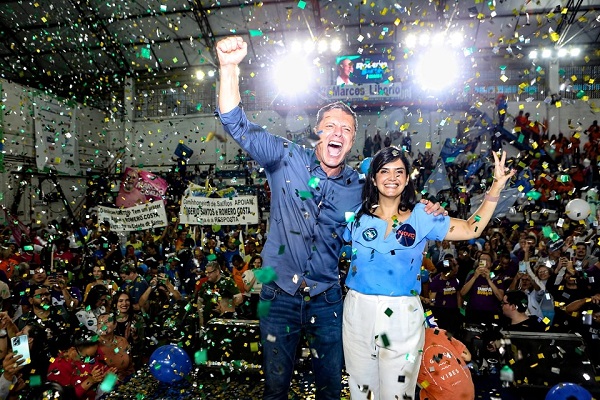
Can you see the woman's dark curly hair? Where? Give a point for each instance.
(370, 194)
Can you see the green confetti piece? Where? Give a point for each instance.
(211, 257)
(281, 249)
(35, 380)
(305, 194)
(265, 275)
(564, 178)
(547, 231)
(349, 216)
(388, 312)
(145, 53)
(385, 340)
(313, 182)
(262, 310)
(255, 32)
(200, 357)
(109, 382)
(534, 195)
(477, 218)
(414, 292)
(301, 4)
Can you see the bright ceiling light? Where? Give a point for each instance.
(456, 39)
(296, 47)
(211, 73)
(336, 45)
(411, 41)
(438, 39)
(575, 51)
(200, 74)
(286, 74)
(309, 45)
(533, 54)
(424, 39)
(546, 53)
(322, 46)
(562, 52)
(437, 69)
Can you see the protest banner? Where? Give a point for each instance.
(144, 216)
(196, 210)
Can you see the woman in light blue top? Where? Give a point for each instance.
(383, 320)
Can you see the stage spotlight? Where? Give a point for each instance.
(562, 52)
(295, 47)
(533, 54)
(200, 74)
(410, 41)
(292, 74)
(322, 46)
(211, 73)
(575, 51)
(309, 45)
(424, 39)
(546, 53)
(456, 39)
(437, 69)
(336, 45)
(438, 39)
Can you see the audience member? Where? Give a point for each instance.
(514, 307)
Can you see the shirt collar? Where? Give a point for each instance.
(315, 167)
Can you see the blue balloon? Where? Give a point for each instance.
(568, 391)
(170, 364)
(365, 165)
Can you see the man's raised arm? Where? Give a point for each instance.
(231, 51)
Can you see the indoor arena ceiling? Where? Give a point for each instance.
(85, 48)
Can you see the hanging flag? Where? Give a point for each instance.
(476, 165)
(438, 180)
(507, 200)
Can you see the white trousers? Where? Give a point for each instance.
(383, 340)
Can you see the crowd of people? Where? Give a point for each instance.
(99, 310)
(92, 304)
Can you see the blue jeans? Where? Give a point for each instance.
(320, 317)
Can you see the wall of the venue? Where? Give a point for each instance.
(18, 125)
(153, 142)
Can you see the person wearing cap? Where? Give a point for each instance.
(77, 367)
(514, 307)
(55, 319)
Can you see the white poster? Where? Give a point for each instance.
(144, 216)
(196, 210)
(55, 135)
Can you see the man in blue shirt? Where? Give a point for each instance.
(314, 194)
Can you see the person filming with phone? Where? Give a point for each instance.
(484, 290)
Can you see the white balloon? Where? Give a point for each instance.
(577, 209)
